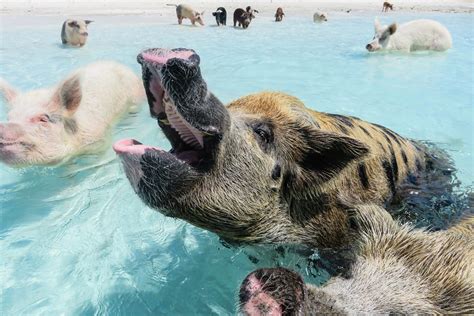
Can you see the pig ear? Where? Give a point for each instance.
(88, 21)
(7, 91)
(377, 25)
(392, 28)
(323, 155)
(69, 94)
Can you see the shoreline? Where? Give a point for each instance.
(266, 7)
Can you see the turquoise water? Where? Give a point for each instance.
(76, 240)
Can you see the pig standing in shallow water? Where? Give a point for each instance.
(74, 32)
(48, 126)
(184, 11)
(410, 36)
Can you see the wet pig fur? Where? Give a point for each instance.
(264, 169)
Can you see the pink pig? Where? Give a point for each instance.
(49, 126)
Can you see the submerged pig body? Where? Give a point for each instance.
(74, 32)
(397, 270)
(411, 36)
(48, 126)
(263, 169)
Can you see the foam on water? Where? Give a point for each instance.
(76, 239)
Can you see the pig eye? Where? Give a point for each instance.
(264, 133)
(44, 118)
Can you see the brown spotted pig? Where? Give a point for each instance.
(242, 18)
(264, 169)
(398, 270)
(184, 11)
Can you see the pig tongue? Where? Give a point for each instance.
(131, 146)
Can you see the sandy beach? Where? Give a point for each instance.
(266, 7)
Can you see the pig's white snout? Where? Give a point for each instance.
(10, 132)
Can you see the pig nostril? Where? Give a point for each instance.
(368, 47)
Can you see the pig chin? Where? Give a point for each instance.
(14, 153)
(162, 177)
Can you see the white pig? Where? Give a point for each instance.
(74, 32)
(49, 126)
(410, 36)
(319, 17)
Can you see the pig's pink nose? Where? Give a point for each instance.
(10, 131)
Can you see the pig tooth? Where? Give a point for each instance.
(187, 133)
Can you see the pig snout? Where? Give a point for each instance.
(371, 47)
(10, 132)
(85, 34)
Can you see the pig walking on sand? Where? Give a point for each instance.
(48, 126)
(411, 36)
(184, 11)
(279, 15)
(74, 32)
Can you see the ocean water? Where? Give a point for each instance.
(75, 239)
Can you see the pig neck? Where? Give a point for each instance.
(400, 40)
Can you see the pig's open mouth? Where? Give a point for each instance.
(186, 140)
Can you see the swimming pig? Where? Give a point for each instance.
(266, 168)
(410, 36)
(48, 126)
(74, 32)
(221, 16)
(279, 15)
(398, 270)
(242, 17)
(184, 11)
(319, 17)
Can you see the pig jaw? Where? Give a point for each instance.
(190, 117)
